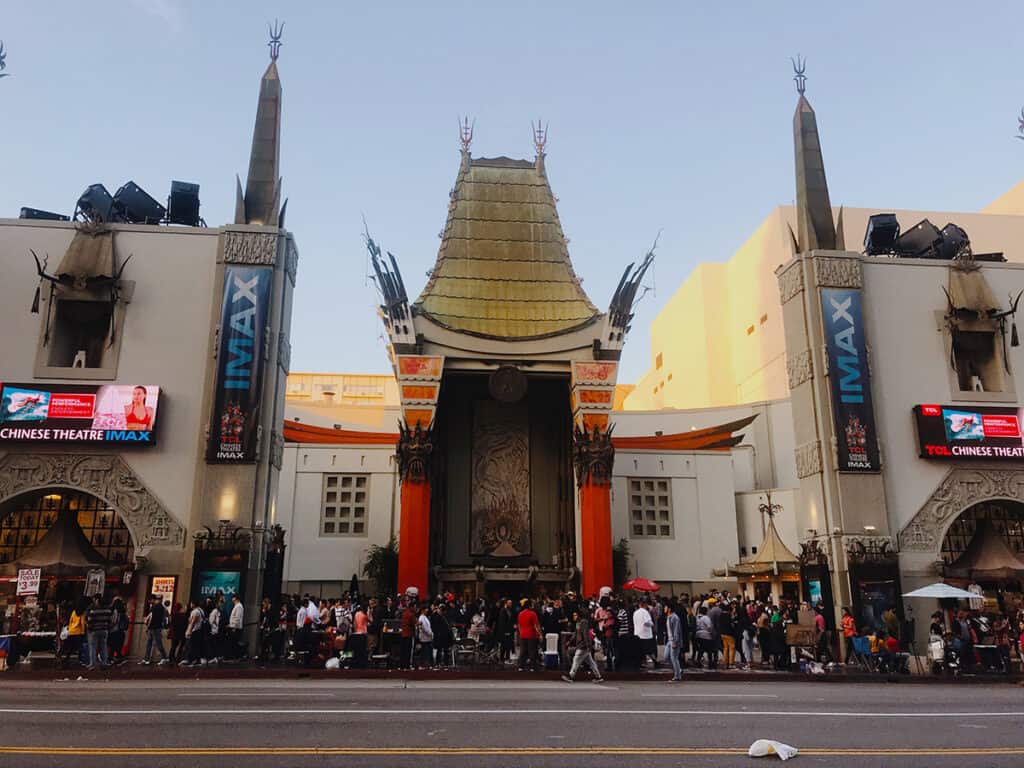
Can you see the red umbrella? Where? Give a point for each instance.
(641, 584)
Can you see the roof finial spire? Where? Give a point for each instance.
(540, 136)
(799, 68)
(1020, 120)
(3, 58)
(275, 38)
(466, 133)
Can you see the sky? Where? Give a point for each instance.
(670, 117)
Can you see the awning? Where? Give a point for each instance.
(773, 557)
(942, 591)
(64, 549)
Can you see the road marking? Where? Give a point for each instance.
(479, 712)
(229, 694)
(490, 751)
(709, 695)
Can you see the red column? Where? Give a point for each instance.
(414, 536)
(596, 533)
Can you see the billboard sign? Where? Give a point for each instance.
(245, 313)
(78, 413)
(852, 411)
(970, 432)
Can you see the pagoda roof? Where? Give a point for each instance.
(773, 556)
(503, 269)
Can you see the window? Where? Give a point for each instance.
(978, 365)
(650, 508)
(657, 362)
(80, 335)
(344, 510)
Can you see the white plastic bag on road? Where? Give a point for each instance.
(765, 747)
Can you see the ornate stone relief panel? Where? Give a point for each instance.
(791, 282)
(799, 368)
(960, 489)
(808, 459)
(107, 477)
(257, 248)
(836, 272)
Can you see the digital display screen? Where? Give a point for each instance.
(970, 432)
(78, 413)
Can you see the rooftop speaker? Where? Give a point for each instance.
(922, 241)
(95, 204)
(35, 213)
(881, 234)
(133, 204)
(183, 204)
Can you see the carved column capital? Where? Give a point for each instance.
(254, 248)
(838, 272)
(808, 459)
(593, 456)
(791, 281)
(414, 452)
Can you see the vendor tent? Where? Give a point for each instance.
(773, 557)
(64, 549)
(988, 556)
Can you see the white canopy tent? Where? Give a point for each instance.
(941, 590)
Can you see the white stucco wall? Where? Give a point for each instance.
(165, 339)
(311, 557)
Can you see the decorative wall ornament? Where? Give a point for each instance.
(508, 384)
(791, 282)
(593, 455)
(799, 368)
(253, 248)
(808, 459)
(284, 352)
(811, 553)
(414, 450)
(838, 272)
(276, 449)
(107, 477)
(500, 498)
(961, 488)
(869, 549)
(291, 261)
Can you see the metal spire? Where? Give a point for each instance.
(3, 60)
(799, 68)
(466, 133)
(1020, 120)
(540, 137)
(275, 38)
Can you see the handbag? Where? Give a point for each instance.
(64, 633)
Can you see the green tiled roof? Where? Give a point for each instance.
(503, 269)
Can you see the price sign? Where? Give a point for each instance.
(28, 581)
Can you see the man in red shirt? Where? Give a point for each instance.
(529, 636)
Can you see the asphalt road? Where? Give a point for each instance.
(381, 724)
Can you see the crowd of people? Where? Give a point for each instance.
(714, 631)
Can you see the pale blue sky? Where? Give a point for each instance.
(672, 116)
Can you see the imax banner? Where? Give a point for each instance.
(239, 388)
(849, 379)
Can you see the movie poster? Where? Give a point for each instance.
(849, 380)
(240, 362)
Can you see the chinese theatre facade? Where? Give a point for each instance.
(506, 374)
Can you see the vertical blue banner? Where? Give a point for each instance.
(239, 387)
(849, 379)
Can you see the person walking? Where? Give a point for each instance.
(195, 636)
(155, 621)
(529, 636)
(674, 641)
(118, 631)
(97, 627)
(178, 625)
(583, 650)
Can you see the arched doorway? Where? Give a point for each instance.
(1006, 518)
(79, 544)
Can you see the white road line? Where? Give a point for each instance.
(506, 712)
(709, 695)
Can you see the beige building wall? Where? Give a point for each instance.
(719, 339)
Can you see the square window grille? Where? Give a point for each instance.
(344, 504)
(650, 508)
